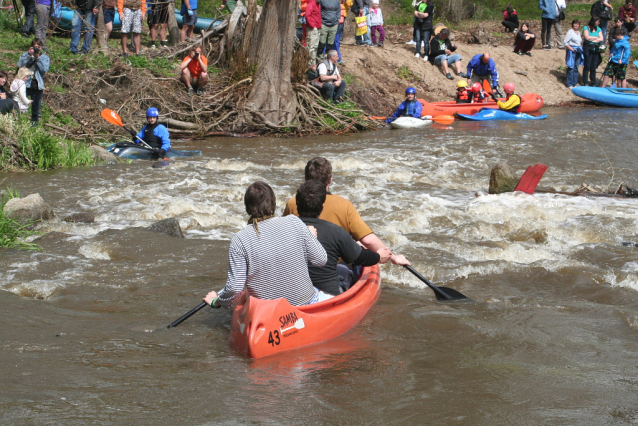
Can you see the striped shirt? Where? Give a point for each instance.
(273, 264)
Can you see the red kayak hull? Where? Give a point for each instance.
(261, 328)
(530, 102)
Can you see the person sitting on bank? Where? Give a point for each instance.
(7, 104)
(335, 277)
(154, 134)
(479, 95)
(270, 256)
(408, 108)
(194, 71)
(510, 19)
(482, 67)
(463, 96)
(441, 54)
(332, 87)
(617, 65)
(627, 13)
(524, 41)
(340, 211)
(512, 101)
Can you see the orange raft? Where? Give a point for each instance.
(265, 327)
(530, 102)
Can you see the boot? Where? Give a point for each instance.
(320, 52)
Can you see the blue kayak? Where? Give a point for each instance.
(623, 98)
(201, 25)
(489, 114)
(139, 152)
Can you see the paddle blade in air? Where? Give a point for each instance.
(530, 178)
(112, 117)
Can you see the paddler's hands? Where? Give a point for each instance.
(385, 254)
(493, 95)
(399, 260)
(210, 296)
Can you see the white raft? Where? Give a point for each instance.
(411, 122)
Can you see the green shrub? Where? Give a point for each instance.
(13, 232)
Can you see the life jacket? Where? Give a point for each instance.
(302, 6)
(516, 108)
(150, 138)
(343, 14)
(480, 97)
(462, 96)
(409, 108)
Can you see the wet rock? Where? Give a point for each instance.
(55, 236)
(168, 227)
(478, 36)
(502, 179)
(31, 208)
(103, 155)
(80, 218)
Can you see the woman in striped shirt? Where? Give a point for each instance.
(270, 256)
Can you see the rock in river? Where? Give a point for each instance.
(502, 179)
(168, 227)
(28, 209)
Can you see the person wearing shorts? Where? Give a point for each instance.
(158, 19)
(617, 65)
(108, 9)
(131, 14)
(194, 71)
(189, 19)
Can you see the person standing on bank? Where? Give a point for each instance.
(29, 13)
(84, 17)
(43, 12)
(547, 17)
(39, 63)
(592, 40)
(557, 24)
(330, 14)
(332, 86)
(132, 15)
(573, 53)
(361, 8)
(424, 13)
(189, 19)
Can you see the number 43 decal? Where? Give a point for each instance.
(276, 340)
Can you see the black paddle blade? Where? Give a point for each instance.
(452, 295)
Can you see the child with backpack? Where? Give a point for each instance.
(617, 65)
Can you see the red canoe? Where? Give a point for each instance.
(530, 102)
(265, 327)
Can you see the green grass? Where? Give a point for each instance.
(349, 78)
(405, 74)
(13, 232)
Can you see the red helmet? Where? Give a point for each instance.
(476, 87)
(509, 87)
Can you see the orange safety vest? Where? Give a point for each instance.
(343, 14)
(462, 96)
(302, 6)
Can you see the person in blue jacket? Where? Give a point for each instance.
(482, 67)
(617, 65)
(153, 133)
(409, 108)
(547, 17)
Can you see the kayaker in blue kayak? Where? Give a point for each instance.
(512, 101)
(154, 134)
(617, 65)
(408, 108)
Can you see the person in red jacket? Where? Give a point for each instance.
(313, 24)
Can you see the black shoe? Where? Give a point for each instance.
(528, 53)
(449, 76)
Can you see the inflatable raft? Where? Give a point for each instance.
(411, 122)
(139, 152)
(617, 97)
(261, 328)
(530, 102)
(201, 25)
(489, 114)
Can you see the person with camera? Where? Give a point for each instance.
(194, 71)
(38, 62)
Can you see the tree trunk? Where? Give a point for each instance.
(173, 30)
(272, 49)
(102, 42)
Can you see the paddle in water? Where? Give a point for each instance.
(114, 118)
(440, 119)
(444, 294)
(530, 178)
(187, 315)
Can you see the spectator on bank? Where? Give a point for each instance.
(108, 10)
(482, 67)
(603, 10)
(376, 20)
(189, 19)
(592, 39)
(441, 54)
(617, 66)
(39, 62)
(573, 53)
(7, 103)
(557, 25)
(510, 19)
(547, 17)
(627, 13)
(332, 87)
(194, 71)
(132, 15)
(84, 19)
(618, 28)
(362, 8)
(424, 13)
(43, 12)
(158, 20)
(29, 13)
(342, 20)
(524, 41)
(19, 89)
(229, 4)
(330, 14)
(313, 26)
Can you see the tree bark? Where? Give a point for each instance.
(272, 45)
(173, 30)
(102, 42)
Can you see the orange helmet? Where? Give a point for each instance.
(476, 87)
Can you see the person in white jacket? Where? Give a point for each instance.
(19, 88)
(376, 24)
(556, 25)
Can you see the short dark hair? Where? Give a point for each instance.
(37, 41)
(445, 31)
(260, 200)
(310, 198)
(319, 169)
(575, 21)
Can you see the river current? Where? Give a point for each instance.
(551, 337)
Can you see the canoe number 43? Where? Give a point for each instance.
(273, 338)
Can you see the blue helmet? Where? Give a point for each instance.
(410, 90)
(152, 112)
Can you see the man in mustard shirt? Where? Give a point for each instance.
(340, 211)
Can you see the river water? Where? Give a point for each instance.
(550, 339)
